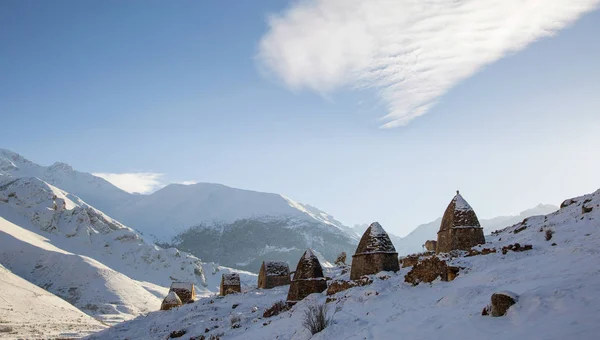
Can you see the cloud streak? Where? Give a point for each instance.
(134, 182)
(410, 51)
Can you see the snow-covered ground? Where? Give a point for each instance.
(58, 242)
(28, 311)
(558, 285)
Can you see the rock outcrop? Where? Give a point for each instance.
(500, 304)
(429, 269)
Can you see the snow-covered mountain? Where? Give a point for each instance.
(30, 312)
(230, 226)
(557, 285)
(57, 241)
(413, 242)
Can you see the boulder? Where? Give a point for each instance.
(500, 304)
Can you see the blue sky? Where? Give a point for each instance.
(183, 89)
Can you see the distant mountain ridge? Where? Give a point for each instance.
(185, 216)
(413, 242)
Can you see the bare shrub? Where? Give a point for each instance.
(315, 318)
(277, 308)
(235, 321)
(549, 233)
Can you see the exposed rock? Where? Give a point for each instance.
(375, 253)
(177, 334)
(427, 270)
(341, 259)
(567, 203)
(501, 302)
(411, 260)
(484, 251)
(516, 247)
(585, 209)
(430, 245)
(460, 228)
(342, 285)
(276, 309)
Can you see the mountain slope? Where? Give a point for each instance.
(58, 242)
(28, 311)
(186, 215)
(95, 190)
(87, 284)
(557, 282)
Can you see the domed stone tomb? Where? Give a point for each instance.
(230, 283)
(307, 279)
(460, 228)
(273, 274)
(375, 253)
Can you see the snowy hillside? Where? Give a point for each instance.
(84, 282)
(187, 216)
(557, 282)
(176, 207)
(94, 190)
(413, 242)
(28, 311)
(49, 234)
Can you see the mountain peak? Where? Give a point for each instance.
(60, 166)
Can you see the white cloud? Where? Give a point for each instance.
(188, 182)
(134, 182)
(411, 51)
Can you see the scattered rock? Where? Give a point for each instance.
(429, 269)
(342, 285)
(177, 334)
(520, 229)
(235, 305)
(553, 244)
(567, 203)
(484, 251)
(430, 245)
(277, 308)
(585, 210)
(516, 247)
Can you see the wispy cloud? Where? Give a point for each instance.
(411, 51)
(188, 182)
(134, 182)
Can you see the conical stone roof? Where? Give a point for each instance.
(172, 299)
(459, 214)
(375, 240)
(308, 267)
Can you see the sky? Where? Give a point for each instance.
(371, 111)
